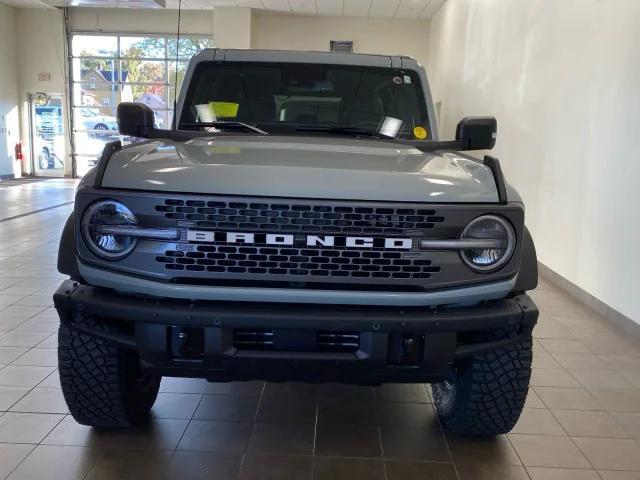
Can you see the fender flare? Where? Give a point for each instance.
(67, 261)
(528, 274)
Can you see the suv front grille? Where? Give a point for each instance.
(294, 217)
(318, 262)
(317, 252)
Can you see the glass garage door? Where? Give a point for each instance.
(109, 69)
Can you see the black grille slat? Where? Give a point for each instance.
(338, 341)
(253, 339)
(325, 341)
(292, 261)
(280, 217)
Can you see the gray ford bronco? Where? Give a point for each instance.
(301, 221)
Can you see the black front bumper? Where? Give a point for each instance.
(149, 326)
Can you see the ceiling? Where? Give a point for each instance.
(402, 9)
(85, 3)
(406, 9)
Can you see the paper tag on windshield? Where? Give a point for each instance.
(224, 109)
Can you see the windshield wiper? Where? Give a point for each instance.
(344, 130)
(226, 124)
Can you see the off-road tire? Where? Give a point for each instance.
(485, 394)
(102, 384)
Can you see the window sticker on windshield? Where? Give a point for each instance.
(224, 109)
(420, 133)
(407, 79)
(397, 80)
(225, 150)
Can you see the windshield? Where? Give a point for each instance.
(293, 96)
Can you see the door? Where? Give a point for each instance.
(47, 135)
(6, 168)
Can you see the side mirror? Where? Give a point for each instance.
(477, 133)
(135, 120)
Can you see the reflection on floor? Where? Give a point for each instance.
(15, 182)
(18, 197)
(582, 419)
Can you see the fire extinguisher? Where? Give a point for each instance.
(18, 151)
(19, 156)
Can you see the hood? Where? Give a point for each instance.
(301, 167)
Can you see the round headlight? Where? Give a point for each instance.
(105, 245)
(489, 227)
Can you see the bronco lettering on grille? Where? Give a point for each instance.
(207, 236)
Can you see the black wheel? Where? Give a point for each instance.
(103, 385)
(44, 159)
(486, 393)
(99, 130)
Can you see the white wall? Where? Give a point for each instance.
(232, 27)
(140, 21)
(389, 37)
(9, 114)
(563, 79)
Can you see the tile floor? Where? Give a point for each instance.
(582, 419)
(24, 196)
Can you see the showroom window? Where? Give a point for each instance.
(109, 69)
